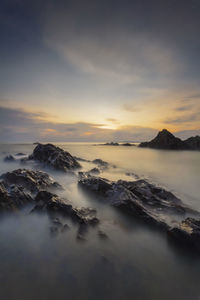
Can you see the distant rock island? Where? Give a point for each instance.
(166, 140)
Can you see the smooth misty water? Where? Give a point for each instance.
(136, 262)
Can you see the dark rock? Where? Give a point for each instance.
(102, 235)
(19, 196)
(20, 154)
(187, 232)
(9, 158)
(193, 143)
(165, 140)
(111, 144)
(32, 181)
(101, 163)
(127, 144)
(138, 198)
(54, 157)
(53, 204)
(94, 171)
(5, 202)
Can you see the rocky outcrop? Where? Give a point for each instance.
(165, 140)
(138, 198)
(187, 232)
(53, 204)
(32, 181)
(5, 202)
(19, 187)
(193, 143)
(54, 157)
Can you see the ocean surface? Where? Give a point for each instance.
(135, 262)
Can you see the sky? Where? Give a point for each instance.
(98, 70)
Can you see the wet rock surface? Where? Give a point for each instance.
(54, 157)
(138, 198)
(53, 204)
(187, 232)
(5, 202)
(30, 180)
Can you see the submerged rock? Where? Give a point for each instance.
(9, 158)
(30, 180)
(138, 198)
(187, 232)
(54, 157)
(53, 204)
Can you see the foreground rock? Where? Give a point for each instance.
(187, 232)
(5, 202)
(166, 140)
(138, 198)
(54, 157)
(19, 187)
(32, 181)
(53, 204)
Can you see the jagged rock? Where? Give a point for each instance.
(9, 158)
(5, 202)
(19, 196)
(32, 181)
(165, 140)
(193, 143)
(53, 204)
(54, 157)
(138, 198)
(188, 232)
(127, 144)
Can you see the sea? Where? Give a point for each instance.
(136, 261)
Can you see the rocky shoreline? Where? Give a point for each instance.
(139, 199)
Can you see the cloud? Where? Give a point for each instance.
(20, 126)
(184, 108)
(187, 118)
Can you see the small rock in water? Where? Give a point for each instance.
(9, 158)
(102, 235)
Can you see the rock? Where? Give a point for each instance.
(111, 144)
(94, 171)
(165, 140)
(100, 163)
(9, 158)
(138, 198)
(5, 202)
(102, 235)
(54, 157)
(127, 144)
(53, 204)
(32, 181)
(20, 154)
(82, 159)
(193, 143)
(19, 196)
(187, 232)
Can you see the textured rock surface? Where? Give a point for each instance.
(53, 204)
(193, 143)
(138, 198)
(5, 202)
(54, 157)
(188, 232)
(30, 180)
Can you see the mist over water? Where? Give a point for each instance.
(135, 262)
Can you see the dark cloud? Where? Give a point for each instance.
(184, 108)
